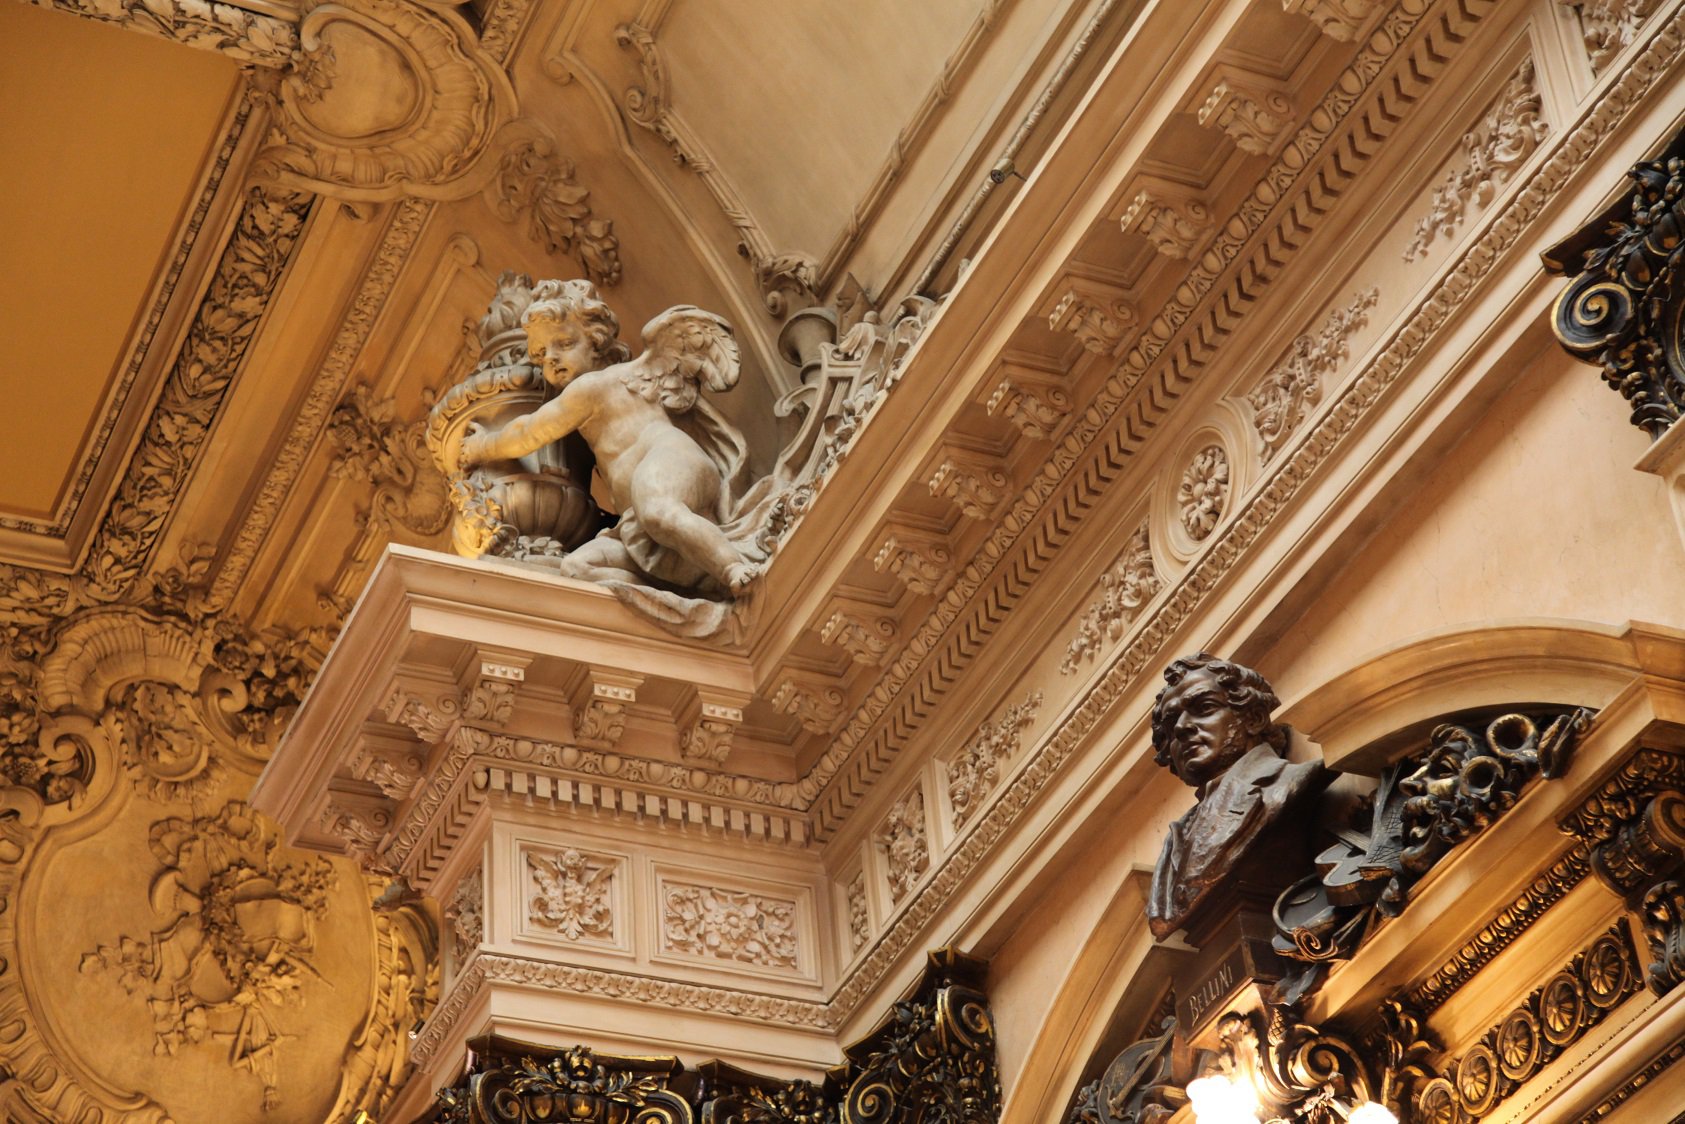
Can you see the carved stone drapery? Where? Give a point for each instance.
(1623, 311)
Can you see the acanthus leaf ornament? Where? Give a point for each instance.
(731, 925)
(1625, 308)
(1493, 150)
(569, 893)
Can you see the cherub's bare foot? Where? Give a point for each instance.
(738, 575)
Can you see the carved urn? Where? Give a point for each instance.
(543, 495)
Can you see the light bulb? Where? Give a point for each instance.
(1217, 1100)
(1371, 1113)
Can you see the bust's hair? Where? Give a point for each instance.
(1244, 690)
(555, 301)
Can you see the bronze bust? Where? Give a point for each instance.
(1212, 728)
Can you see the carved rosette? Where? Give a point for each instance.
(1203, 492)
(1623, 311)
(1535, 1033)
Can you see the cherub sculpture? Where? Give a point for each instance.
(675, 469)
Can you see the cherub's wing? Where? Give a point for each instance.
(685, 349)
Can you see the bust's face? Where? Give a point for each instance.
(1208, 735)
(562, 347)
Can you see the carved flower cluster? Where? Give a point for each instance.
(1125, 587)
(730, 925)
(975, 770)
(1203, 492)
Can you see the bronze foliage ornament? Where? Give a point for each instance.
(1424, 806)
(931, 1060)
(1625, 308)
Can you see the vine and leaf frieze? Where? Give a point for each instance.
(976, 770)
(1499, 143)
(1127, 585)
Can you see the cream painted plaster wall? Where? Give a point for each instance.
(1536, 512)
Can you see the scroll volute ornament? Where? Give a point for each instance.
(520, 1083)
(1625, 308)
(932, 1058)
(388, 99)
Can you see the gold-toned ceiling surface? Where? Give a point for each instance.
(105, 135)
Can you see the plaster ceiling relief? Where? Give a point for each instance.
(159, 115)
(801, 135)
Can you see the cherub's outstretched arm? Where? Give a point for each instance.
(550, 422)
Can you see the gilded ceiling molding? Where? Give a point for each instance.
(1502, 229)
(326, 389)
(246, 276)
(787, 281)
(243, 35)
(426, 138)
(1493, 149)
(1498, 934)
(189, 237)
(1533, 1034)
(1622, 309)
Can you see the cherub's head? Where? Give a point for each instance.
(570, 331)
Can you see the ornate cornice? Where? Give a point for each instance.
(1502, 228)
(1499, 933)
(488, 968)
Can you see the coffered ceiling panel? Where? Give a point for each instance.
(106, 136)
